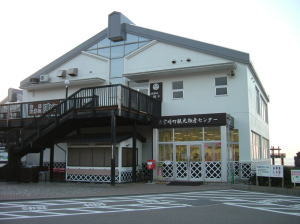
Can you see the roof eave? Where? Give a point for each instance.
(211, 49)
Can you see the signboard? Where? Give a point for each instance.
(269, 171)
(276, 171)
(295, 176)
(263, 170)
(195, 120)
(156, 90)
(38, 108)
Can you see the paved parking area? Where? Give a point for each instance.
(38, 211)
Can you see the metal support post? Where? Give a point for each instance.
(51, 162)
(134, 153)
(113, 146)
(41, 158)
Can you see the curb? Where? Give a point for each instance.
(270, 190)
(112, 195)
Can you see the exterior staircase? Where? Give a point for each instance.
(87, 103)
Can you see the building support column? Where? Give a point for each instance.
(134, 153)
(113, 146)
(51, 162)
(14, 165)
(224, 153)
(157, 170)
(41, 158)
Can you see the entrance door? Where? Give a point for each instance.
(181, 162)
(195, 162)
(188, 162)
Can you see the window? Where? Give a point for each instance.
(177, 88)
(234, 145)
(257, 101)
(166, 135)
(264, 110)
(188, 134)
(90, 157)
(265, 148)
(256, 146)
(212, 134)
(221, 86)
(127, 157)
(261, 106)
(212, 152)
(234, 152)
(165, 152)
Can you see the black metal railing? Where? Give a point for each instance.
(26, 109)
(102, 96)
(113, 96)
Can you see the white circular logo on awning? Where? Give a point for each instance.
(155, 86)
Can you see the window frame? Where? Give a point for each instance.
(221, 86)
(257, 101)
(178, 90)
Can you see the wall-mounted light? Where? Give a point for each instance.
(67, 84)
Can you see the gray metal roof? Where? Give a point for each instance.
(211, 49)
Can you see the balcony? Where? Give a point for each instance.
(126, 101)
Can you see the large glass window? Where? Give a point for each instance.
(188, 134)
(265, 148)
(90, 157)
(105, 52)
(234, 152)
(130, 48)
(212, 152)
(117, 51)
(234, 145)
(165, 152)
(166, 135)
(212, 134)
(195, 153)
(234, 135)
(256, 146)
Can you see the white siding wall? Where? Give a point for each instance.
(160, 56)
(88, 67)
(200, 98)
(257, 124)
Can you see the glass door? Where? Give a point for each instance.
(188, 163)
(181, 161)
(195, 167)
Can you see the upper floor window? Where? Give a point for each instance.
(261, 106)
(221, 85)
(264, 110)
(177, 89)
(257, 100)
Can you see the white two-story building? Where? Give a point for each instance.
(214, 109)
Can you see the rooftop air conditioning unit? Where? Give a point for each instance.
(73, 71)
(34, 80)
(62, 73)
(44, 78)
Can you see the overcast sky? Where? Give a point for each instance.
(35, 32)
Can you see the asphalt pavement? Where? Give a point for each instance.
(207, 206)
